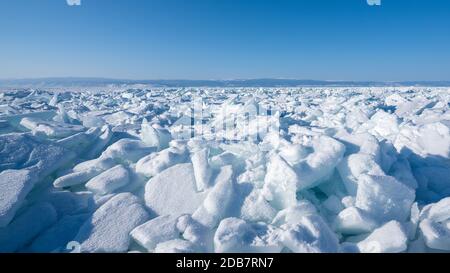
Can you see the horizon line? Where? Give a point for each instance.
(204, 79)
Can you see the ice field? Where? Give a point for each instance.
(225, 170)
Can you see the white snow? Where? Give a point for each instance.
(216, 204)
(440, 211)
(437, 235)
(127, 150)
(319, 165)
(435, 225)
(173, 191)
(155, 163)
(309, 235)
(154, 169)
(202, 169)
(176, 246)
(354, 221)
(73, 179)
(425, 140)
(109, 180)
(14, 187)
(390, 238)
(294, 214)
(384, 198)
(256, 208)
(154, 137)
(235, 235)
(280, 183)
(108, 229)
(353, 166)
(155, 231)
(50, 128)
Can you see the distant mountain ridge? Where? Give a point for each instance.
(264, 82)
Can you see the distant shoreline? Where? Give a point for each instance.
(269, 83)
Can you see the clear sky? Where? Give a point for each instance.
(225, 39)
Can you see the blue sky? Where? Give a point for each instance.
(225, 39)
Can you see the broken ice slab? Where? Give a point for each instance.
(293, 181)
(21, 150)
(173, 191)
(51, 129)
(14, 187)
(109, 180)
(235, 235)
(155, 163)
(26, 227)
(155, 231)
(390, 238)
(108, 230)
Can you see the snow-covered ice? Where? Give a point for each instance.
(384, 198)
(154, 163)
(155, 231)
(353, 220)
(390, 238)
(50, 128)
(173, 191)
(236, 235)
(310, 235)
(217, 203)
(26, 226)
(14, 187)
(108, 229)
(301, 169)
(109, 180)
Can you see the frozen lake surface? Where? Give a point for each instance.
(225, 170)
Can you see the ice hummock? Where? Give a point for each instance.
(358, 169)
